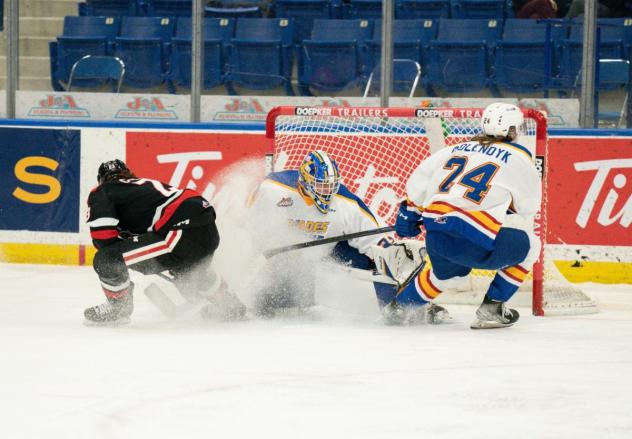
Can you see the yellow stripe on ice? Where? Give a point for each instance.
(73, 254)
(56, 254)
(594, 271)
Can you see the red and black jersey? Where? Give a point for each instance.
(141, 205)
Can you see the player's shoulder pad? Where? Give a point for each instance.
(344, 192)
(286, 178)
(522, 149)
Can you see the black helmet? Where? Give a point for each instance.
(109, 170)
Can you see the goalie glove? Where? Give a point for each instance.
(398, 259)
(408, 222)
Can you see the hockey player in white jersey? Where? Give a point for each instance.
(463, 195)
(313, 201)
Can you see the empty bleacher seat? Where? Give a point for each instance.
(261, 54)
(369, 9)
(524, 61)
(81, 36)
(169, 8)
(332, 59)
(100, 68)
(217, 35)
(410, 38)
(411, 9)
(112, 8)
(304, 12)
(489, 9)
(233, 13)
(614, 36)
(460, 58)
(144, 48)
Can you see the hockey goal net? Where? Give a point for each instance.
(378, 148)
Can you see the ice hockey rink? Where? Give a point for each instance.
(332, 374)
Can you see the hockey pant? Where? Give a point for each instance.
(183, 252)
(452, 257)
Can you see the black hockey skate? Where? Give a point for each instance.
(493, 314)
(396, 314)
(114, 312)
(224, 306)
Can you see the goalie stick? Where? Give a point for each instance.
(275, 251)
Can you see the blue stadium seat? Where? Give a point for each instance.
(615, 35)
(217, 35)
(82, 9)
(234, 13)
(81, 36)
(101, 68)
(263, 8)
(523, 60)
(410, 38)
(303, 12)
(112, 8)
(489, 9)
(169, 8)
(261, 54)
(332, 60)
(144, 47)
(460, 58)
(369, 9)
(411, 9)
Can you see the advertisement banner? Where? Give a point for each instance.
(196, 160)
(562, 113)
(40, 176)
(590, 191)
(102, 106)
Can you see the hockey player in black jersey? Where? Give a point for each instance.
(151, 227)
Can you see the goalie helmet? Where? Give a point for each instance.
(111, 169)
(319, 178)
(499, 119)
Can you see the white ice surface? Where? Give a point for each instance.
(342, 375)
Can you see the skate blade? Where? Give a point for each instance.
(488, 324)
(113, 324)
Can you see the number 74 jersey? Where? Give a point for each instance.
(467, 189)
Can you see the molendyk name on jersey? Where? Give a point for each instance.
(489, 150)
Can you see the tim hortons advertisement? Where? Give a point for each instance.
(197, 161)
(590, 191)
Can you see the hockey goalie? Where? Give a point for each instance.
(311, 202)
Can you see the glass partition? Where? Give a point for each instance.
(131, 59)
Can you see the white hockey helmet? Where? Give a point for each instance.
(499, 118)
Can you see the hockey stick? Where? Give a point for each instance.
(411, 277)
(164, 303)
(275, 251)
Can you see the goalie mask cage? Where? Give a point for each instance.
(377, 149)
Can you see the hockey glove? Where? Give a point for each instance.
(408, 222)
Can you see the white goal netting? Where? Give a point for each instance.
(378, 148)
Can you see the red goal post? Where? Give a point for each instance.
(378, 148)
